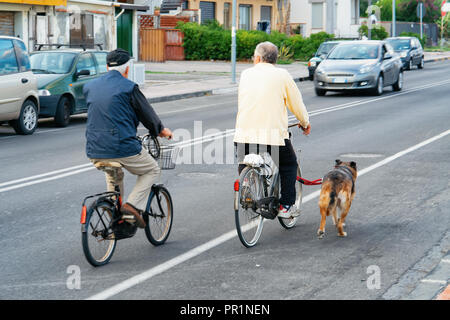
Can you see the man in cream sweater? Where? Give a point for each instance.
(265, 94)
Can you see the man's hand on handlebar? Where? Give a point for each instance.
(307, 130)
(166, 133)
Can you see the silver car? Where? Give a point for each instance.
(19, 99)
(359, 65)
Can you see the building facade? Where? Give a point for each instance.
(340, 18)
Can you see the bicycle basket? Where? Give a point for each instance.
(167, 157)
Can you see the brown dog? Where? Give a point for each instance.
(338, 191)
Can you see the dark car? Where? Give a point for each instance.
(61, 76)
(410, 51)
(359, 65)
(321, 53)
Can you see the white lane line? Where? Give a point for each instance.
(229, 132)
(150, 273)
(434, 281)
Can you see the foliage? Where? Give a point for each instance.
(423, 40)
(211, 41)
(405, 10)
(285, 55)
(377, 33)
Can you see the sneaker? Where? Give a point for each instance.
(287, 212)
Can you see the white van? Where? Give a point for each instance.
(19, 99)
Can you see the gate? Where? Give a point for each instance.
(159, 45)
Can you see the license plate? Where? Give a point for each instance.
(340, 80)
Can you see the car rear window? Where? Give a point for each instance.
(22, 56)
(8, 61)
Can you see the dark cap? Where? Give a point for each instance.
(117, 58)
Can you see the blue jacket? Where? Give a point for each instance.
(112, 121)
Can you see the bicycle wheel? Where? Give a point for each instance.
(98, 239)
(159, 220)
(249, 224)
(290, 222)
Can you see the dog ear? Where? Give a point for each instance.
(338, 162)
(353, 164)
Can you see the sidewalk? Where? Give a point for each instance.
(173, 80)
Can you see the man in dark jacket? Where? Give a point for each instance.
(115, 108)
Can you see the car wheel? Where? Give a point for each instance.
(410, 65)
(28, 119)
(421, 64)
(62, 116)
(378, 90)
(399, 84)
(320, 92)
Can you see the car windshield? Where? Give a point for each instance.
(355, 51)
(400, 44)
(325, 48)
(51, 62)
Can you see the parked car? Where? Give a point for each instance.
(410, 51)
(359, 65)
(19, 100)
(321, 53)
(61, 76)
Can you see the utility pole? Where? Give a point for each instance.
(369, 21)
(393, 18)
(233, 44)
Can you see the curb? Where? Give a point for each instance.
(437, 59)
(204, 93)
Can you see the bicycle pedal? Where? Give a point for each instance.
(128, 217)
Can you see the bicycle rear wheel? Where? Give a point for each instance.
(249, 224)
(98, 239)
(159, 219)
(290, 222)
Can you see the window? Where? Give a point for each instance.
(8, 62)
(51, 62)
(22, 56)
(245, 17)
(101, 61)
(355, 11)
(86, 63)
(317, 15)
(227, 15)
(208, 11)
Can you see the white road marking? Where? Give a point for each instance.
(150, 273)
(434, 281)
(229, 132)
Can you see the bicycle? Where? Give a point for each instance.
(102, 224)
(257, 195)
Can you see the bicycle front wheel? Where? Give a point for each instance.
(159, 219)
(290, 222)
(249, 223)
(98, 239)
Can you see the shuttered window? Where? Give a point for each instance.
(6, 23)
(208, 11)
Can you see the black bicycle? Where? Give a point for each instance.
(102, 224)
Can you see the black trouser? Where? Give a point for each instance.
(285, 159)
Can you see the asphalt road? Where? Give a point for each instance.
(401, 209)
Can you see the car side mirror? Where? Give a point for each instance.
(387, 56)
(82, 73)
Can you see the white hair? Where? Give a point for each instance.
(122, 68)
(267, 51)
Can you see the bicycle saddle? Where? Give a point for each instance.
(107, 164)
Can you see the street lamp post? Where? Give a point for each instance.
(369, 22)
(233, 44)
(393, 18)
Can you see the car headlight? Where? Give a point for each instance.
(44, 93)
(365, 69)
(312, 63)
(403, 54)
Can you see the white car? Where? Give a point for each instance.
(19, 99)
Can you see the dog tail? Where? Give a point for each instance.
(332, 197)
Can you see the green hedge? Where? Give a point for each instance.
(211, 41)
(377, 33)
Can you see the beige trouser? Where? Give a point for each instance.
(144, 167)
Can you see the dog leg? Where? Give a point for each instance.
(323, 220)
(341, 222)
